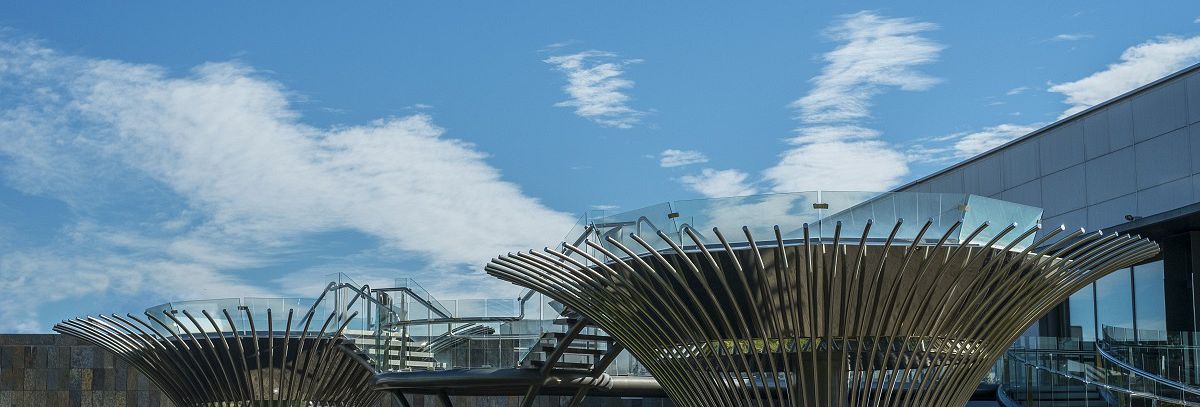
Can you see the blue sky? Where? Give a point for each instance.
(159, 151)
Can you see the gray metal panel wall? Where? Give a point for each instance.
(1136, 156)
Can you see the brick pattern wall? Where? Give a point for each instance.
(60, 371)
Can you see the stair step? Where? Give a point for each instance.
(576, 351)
(580, 337)
(563, 365)
(413, 363)
(570, 321)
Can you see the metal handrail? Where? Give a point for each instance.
(441, 311)
(1004, 399)
(1130, 392)
(1153, 377)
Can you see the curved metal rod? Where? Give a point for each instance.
(824, 322)
(194, 365)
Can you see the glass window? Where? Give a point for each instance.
(1151, 306)
(1082, 314)
(1114, 305)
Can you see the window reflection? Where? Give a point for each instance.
(1151, 309)
(1115, 306)
(1082, 314)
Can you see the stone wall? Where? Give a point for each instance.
(61, 371)
(543, 401)
(53, 370)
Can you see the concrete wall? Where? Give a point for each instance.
(1136, 155)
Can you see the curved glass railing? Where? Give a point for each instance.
(821, 211)
(1044, 370)
(1171, 355)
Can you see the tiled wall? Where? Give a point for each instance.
(1139, 156)
(543, 401)
(60, 371)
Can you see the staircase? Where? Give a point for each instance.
(373, 346)
(586, 351)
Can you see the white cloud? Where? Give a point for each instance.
(718, 183)
(248, 176)
(678, 158)
(959, 146)
(868, 165)
(1071, 37)
(1017, 90)
(972, 144)
(597, 88)
(1139, 65)
(833, 149)
(876, 52)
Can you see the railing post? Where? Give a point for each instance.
(1028, 384)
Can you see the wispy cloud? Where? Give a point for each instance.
(1139, 65)
(876, 52)
(833, 147)
(678, 158)
(1071, 37)
(718, 183)
(597, 88)
(180, 181)
(1017, 90)
(958, 146)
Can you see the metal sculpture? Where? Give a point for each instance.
(239, 366)
(847, 321)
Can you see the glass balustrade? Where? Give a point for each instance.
(661, 225)
(1040, 370)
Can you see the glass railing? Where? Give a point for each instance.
(1172, 355)
(479, 333)
(821, 211)
(1054, 371)
(420, 291)
(246, 315)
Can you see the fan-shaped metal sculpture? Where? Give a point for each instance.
(266, 362)
(849, 321)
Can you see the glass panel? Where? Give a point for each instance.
(1082, 315)
(820, 210)
(1115, 310)
(1151, 306)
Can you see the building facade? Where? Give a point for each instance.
(1132, 165)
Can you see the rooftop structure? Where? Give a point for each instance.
(827, 299)
(237, 352)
